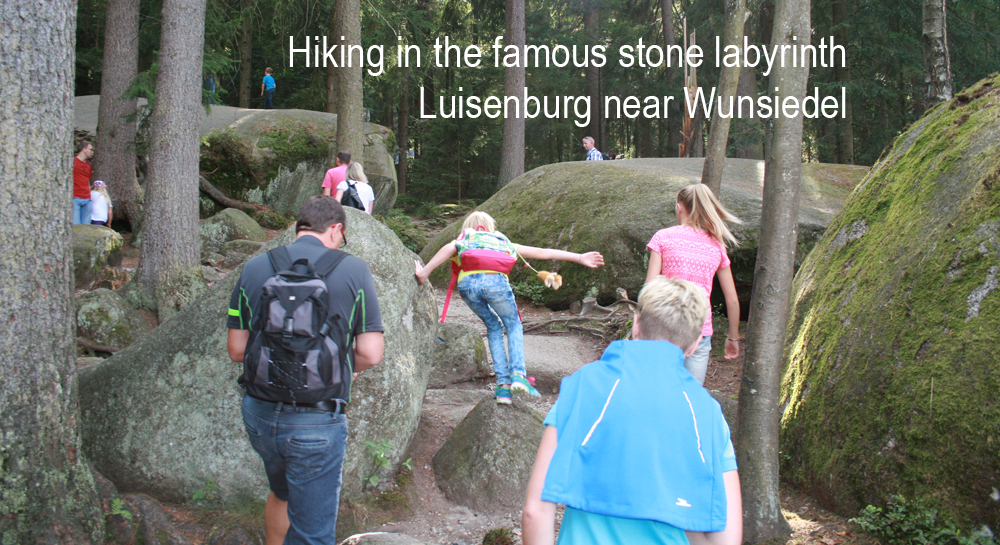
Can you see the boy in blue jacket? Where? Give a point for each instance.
(637, 450)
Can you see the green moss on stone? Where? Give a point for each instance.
(890, 374)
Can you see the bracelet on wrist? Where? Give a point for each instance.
(734, 340)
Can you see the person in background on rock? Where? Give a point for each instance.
(267, 89)
(103, 210)
(695, 251)
(303, 444)
(593, 154)
(635, 448)
(356, 177)
(482, 258)
(336, 174)
(81, 182)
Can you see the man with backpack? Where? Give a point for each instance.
(303, 319)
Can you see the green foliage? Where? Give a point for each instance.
(904, 522)
(379, 453)
(118, 508)
(531, 291)
(400, 224)
(209, 494)
(499, 536)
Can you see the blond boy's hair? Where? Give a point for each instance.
(479, 219)
(671, 310)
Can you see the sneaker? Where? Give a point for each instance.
(503, 396)
(522, 384)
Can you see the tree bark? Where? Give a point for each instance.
(114, 161)
(169, 272)
(403, 140)
(48, 494)
(937, 64)
(246, 56)
(350, 125)
(749, 132)
(757, 441)
(331, 72)
(845, 136)
(729, 79)
(675, 116)
(592, 31)
(512, 152)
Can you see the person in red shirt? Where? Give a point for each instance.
(82, 172)
(336, 174)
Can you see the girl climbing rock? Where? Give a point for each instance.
(482, 257)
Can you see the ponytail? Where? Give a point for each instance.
(706, 213)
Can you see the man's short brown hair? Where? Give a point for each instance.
(82, 145)
(319, 213)
(344, 157)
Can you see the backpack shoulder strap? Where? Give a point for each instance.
(328, 262)
(281, 260)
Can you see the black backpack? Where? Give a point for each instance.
(300, 352)
(351, 197)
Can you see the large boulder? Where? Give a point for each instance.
(459, 356)
(279, 158)
(486, 462)
(615, 207)
(891, 375)
(163, 416)
(94, 248)
(230, 224)
(107, 319)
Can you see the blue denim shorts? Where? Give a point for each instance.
(303, 452)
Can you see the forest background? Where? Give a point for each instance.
(460, 158)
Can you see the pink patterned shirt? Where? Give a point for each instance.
(693, 255)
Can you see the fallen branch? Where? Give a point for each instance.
(96, 347)
(591, 330)
(535, 325)
(220, 197)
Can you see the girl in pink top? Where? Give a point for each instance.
(695, 251)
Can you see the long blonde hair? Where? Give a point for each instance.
(356, 172)
(478, 219)
(707, 213)
(103, 190)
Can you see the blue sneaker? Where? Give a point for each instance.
(503, 396)
(521, 384)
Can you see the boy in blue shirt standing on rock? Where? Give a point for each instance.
(637, 450)
(267, 87)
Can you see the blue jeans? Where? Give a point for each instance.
(490, 297)
(269, 99)
(697, 363)
(303, 453)
(81, 211)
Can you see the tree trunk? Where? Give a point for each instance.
(937, 65)
(169, 273)
(403, 140)
(845, 136)
(48, 493)
(757, 441)
(729, 79)
(331, 72)
(512, 152)
(246, 55)
(749, 133)
(114, 161)
(675, 116)
(592, 33)
(350, 125)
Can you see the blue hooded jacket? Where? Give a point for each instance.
(640, 438)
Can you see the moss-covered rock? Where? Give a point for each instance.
(459, 356)
(891, 377)
(486, 461)
(94, 248)
(615, 207)
(107, 319)
(279, 157)
(163, 415)
(228, 225)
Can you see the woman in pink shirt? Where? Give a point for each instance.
(695, 251)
